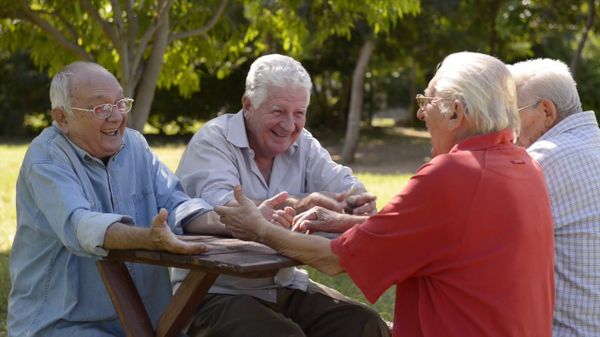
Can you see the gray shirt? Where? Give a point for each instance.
(219, 157)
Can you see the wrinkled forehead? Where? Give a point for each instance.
(91, 82)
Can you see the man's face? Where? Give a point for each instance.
(277, 123)
(533, 126)
(101, 138)
(442, 137)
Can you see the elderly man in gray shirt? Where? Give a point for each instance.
(265, 149)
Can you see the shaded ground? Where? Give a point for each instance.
(386, 150)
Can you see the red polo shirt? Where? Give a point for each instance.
(468, 243)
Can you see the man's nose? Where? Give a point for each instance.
(115, 115)
(287, 123)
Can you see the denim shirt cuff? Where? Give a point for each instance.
(91, 230)
(187, 211)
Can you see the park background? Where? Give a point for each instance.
(184, 62)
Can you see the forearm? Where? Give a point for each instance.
(207, 224)
(121, 236)
(311, 250)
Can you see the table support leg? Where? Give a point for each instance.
(125, 298)
(184, 303)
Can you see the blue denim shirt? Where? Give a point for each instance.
(66, 199)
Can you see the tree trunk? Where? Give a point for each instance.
(584, 35)
(150, 74)
(356, 102)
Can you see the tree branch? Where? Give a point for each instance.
(202, 30)
(35, 19)
(106, 27)
(132, 19)
(589, 24)
(62, 19)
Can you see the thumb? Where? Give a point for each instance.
(160, 219)
(279, 199)
(240, 197)
(343, 195)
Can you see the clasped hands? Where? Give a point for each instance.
(247, 221)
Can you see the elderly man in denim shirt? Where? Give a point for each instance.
(88, 185)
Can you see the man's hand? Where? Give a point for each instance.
(284, 217)
(319, 219)
(268, 207)
(328, 200)
(243, 220)
(162, 238)
(361, 204)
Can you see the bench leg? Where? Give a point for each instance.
(184, 303)
(125, 298)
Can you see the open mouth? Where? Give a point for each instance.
(110, 132)
(280, 135)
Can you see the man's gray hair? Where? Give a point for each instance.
(60, 87)
(484, 85)
(547, 78)
(274, 70)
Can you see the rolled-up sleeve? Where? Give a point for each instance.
(90, 228)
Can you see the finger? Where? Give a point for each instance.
(160, 219)
(240, 197)
(314, 226)
(192, 248)
(277, 200)
(308, 215)
(363, 209)
(290, 211)
(281, 221)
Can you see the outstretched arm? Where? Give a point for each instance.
(245, 221)
(158, 237)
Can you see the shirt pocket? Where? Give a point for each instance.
(144, 206)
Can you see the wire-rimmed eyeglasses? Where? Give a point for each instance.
(530, 105)
(104, 111)
(422, 100)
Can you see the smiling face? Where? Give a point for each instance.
(277, 123)
(101, 138)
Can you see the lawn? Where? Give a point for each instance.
(384, 185)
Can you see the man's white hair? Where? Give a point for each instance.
(547, 78)
(484, 85)
(274, 70)
(60, 87)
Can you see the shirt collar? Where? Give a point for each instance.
(494, 139)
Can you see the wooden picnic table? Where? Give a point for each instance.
(225, 256)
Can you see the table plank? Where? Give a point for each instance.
(225, 256)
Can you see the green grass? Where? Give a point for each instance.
(382, 185)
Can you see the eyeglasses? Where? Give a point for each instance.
(422, 100)
(104, 111)
(529, 105)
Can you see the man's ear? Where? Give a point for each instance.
(60, 117)
(246, 104)
(456, 115)
(550, 113)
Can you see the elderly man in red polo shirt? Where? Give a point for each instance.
(468, 241)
